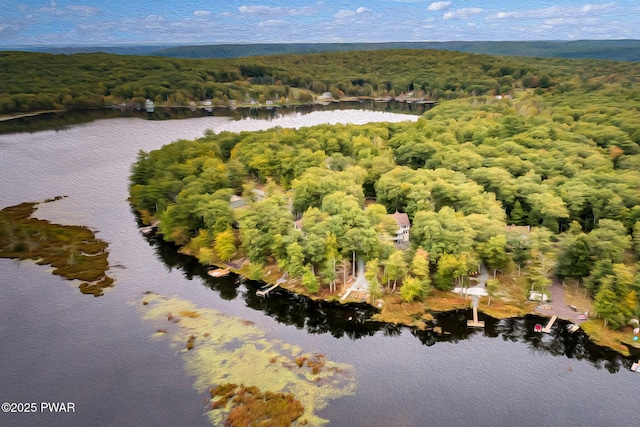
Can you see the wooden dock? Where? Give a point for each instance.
(218, 272)
(264, 292)
(475, 323)
(547, 328)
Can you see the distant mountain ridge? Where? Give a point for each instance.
(618, 50)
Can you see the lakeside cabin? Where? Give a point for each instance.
(402, 234)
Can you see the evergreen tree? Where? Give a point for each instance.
(574, 259)
(517, 215)
(295, 259)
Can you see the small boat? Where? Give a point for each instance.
(218, 272)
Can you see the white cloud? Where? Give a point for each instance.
(439, 5)
(154, 18)
(277, 11)
(557, 11)
(83, 10)
(342, 13)
(253, 9)
(273, 23)
(464, 13)
(201, 12)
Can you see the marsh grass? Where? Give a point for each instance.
(74, 252)
(250, 406)
(616, 340)
(284, 384)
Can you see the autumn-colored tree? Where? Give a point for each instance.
(225, 244)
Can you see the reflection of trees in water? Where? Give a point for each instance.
(351, 320)
(62, 120)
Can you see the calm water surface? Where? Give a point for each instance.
(58, 345)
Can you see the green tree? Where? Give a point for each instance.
(636, 237)
(371, 274)
(225, 244)
(493, 285)
(309, 281)
(517, 214)
(606, 307)
(574, 258)
(395, 268)
(494, 253)
(411, 289)
(609, 240)
(295, 262)
(420, 264)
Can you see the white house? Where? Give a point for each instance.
(402, 235)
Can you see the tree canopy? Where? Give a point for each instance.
(560, 165)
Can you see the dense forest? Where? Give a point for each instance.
(544, 181)
(38, 81)
(616, 50)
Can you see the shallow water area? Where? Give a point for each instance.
(59, 345)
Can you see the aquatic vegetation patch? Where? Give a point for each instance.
(74, 252)
(250, 406)
(252, 379)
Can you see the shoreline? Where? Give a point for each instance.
(230, 107)
(421, 315)
(8, 117)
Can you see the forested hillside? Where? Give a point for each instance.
(618, 50)
(564, 165)
(36, 81)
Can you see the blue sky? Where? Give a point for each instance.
(99, 22)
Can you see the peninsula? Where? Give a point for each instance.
(537, 184)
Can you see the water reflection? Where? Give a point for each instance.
(62, 120)
(353, 320)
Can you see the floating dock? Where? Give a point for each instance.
(547, 328)
(264, 292)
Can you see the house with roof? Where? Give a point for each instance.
(402, 234)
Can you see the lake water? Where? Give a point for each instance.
(58, 345)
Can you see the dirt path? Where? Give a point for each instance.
(558, 306)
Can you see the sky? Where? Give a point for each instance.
(115, 22)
